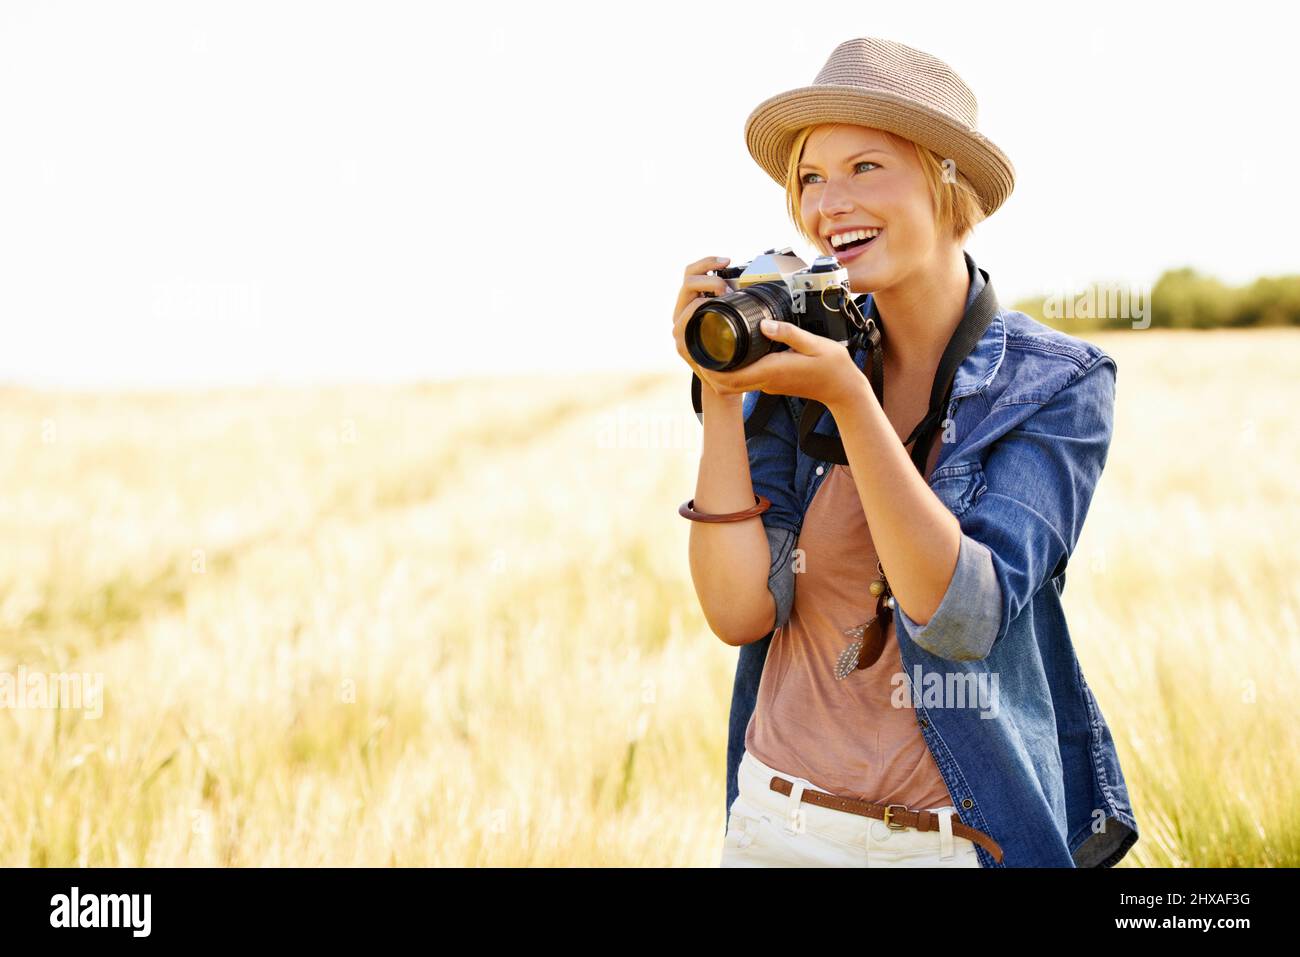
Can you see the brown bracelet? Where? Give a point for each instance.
(761, 505)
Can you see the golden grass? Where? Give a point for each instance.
(454, 624)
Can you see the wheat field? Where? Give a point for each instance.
(453, 624)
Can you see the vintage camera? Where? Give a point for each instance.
(724, 334)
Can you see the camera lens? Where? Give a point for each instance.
(723, 334)
(717, 336)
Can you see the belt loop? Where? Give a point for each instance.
(794, 818)
(945, 833)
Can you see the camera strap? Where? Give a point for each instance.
(827, 448)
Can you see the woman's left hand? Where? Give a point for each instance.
(814, 367)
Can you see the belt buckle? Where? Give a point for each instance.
(889, 810)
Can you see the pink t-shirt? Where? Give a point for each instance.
(844, 736)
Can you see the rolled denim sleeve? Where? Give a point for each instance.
(772, 461)
(1021, 530)
(968, 615)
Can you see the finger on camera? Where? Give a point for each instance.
(696, 273)
(693, 288)
(714, 284)
(705, 264)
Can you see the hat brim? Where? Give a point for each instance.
(772, 126)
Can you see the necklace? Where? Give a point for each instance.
(867, 640)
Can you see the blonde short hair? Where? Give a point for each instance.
(957, 206)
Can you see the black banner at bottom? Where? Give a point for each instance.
(336, 906)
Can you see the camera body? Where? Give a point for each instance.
(724, 334)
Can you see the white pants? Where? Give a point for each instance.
(768, 829)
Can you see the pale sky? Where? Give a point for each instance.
(230, 193)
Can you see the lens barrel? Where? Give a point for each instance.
(724, 333)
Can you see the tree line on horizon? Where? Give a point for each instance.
(1180, 299)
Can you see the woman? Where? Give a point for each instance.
(953, 726)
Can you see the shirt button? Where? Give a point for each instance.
(820, 469)
(967, 803)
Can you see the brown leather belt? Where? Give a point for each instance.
(896, 816)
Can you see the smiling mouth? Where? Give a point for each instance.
(855, 244)
(854, 249)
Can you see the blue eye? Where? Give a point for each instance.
(804, 179)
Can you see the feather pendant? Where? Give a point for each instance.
(867, 645)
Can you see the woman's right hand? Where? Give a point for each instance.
(695, 282)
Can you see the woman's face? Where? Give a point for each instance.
(855, 177)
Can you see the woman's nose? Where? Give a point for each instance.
(835, 199)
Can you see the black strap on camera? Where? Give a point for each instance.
(827, 448)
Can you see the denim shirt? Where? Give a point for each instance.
(1027, 755)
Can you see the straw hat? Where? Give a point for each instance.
(887, 86)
